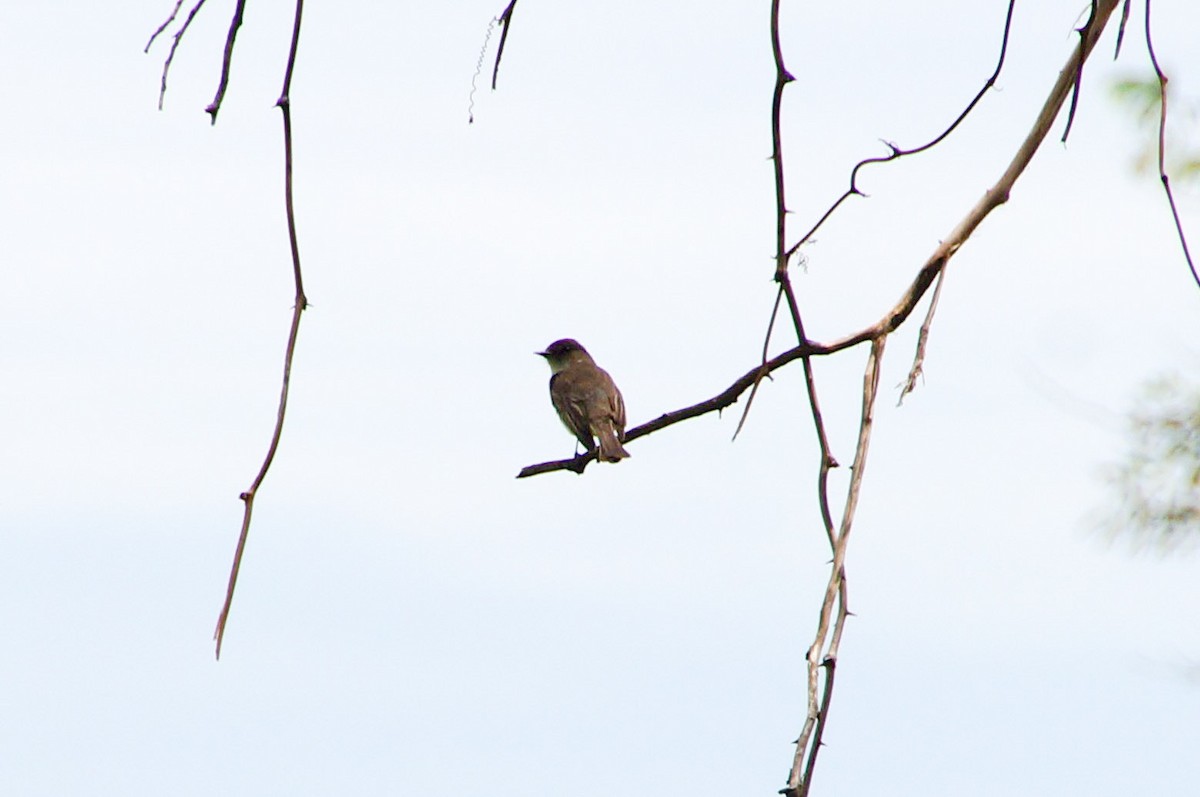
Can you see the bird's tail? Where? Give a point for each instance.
(611, 449)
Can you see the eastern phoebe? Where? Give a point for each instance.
(586, 398)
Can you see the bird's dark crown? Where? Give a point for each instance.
(561, 347)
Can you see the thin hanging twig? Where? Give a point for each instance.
(301, 302)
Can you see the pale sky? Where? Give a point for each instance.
(413, 620)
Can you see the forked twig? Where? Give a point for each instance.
(175, 39)
(301, 302)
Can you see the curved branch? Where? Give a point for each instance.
(1162, 147)
(897, 152)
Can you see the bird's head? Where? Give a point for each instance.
(562, 353)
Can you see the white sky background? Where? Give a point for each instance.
(413, 620)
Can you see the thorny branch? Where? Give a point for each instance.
(782, 257)
(1162, 146)
(301, 302)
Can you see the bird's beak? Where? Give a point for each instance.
(542, 353)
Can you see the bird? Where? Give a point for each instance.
(586, 399)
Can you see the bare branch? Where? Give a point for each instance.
(998, 193)
(215, 106)
(918, 366)
(822, 654)
(1121, 28)
(897, 152)
(158, 31)
(505, 20)
(782, 78)
(1162, 147)
(1078, 74)
(833, 611)
(830, 667)
(301, 302)
(763, 375)
(162, 91)
(782, 257)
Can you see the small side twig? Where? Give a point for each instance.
(1121, 28)
(918, 366)
(1162, 147)
(301, 302)
(1083, 33)
(215, 106)
(764, 375)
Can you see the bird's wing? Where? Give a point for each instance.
(618, 408)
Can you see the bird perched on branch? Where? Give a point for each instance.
(586, 398)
